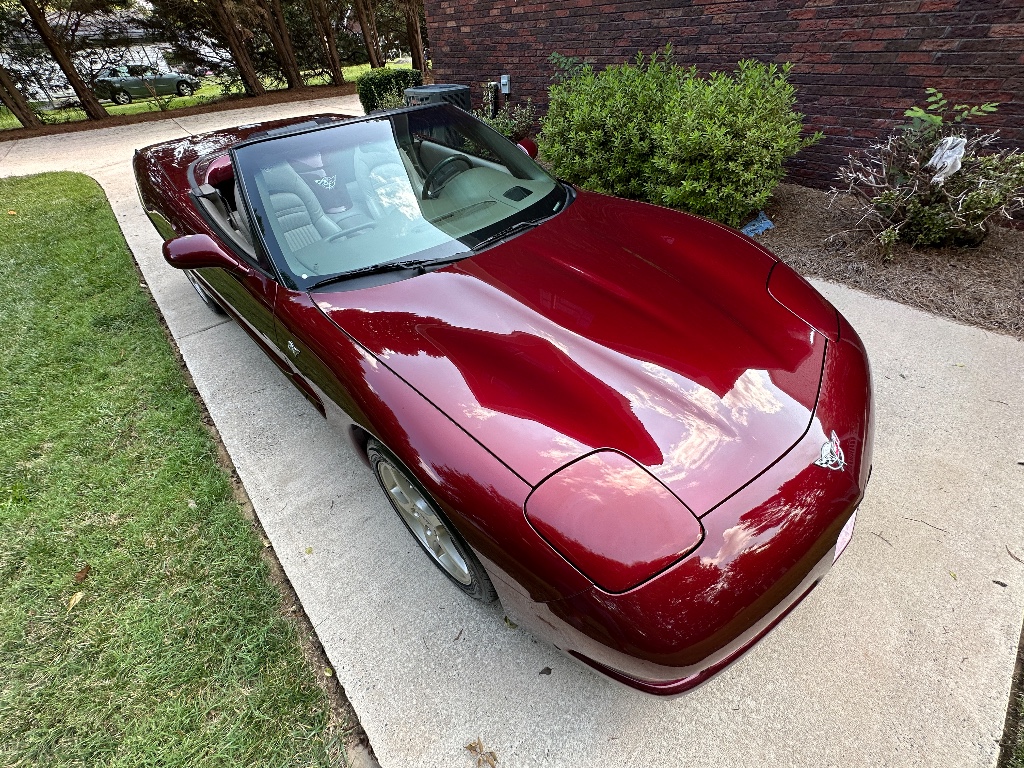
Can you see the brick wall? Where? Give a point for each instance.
(857, 65)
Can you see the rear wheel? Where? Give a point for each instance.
(208, 300)
(122, 97)
(185, 88)
(429, 526)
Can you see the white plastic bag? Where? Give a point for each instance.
(947, 157)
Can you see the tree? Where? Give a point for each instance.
(15, 101)
(328, 40)
(413, 9)
(207, 35)
(271, 15)
(367, 16)
(227, 24)
(93, 109)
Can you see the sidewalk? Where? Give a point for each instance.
(902, 657)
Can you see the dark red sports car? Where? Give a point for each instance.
(637, 428)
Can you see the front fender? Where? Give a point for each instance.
(480, 495)
(766, 546)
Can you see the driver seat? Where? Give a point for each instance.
(382, 174)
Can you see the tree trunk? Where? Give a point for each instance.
(412, 27)
(368, 25)
(328, 40)
(93, 109)
(15, 101)
(227, 23)
(273, 21)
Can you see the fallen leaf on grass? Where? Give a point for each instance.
(83, 574)
(484, 759)
(75, 600)
(328, 671)
(12, 213)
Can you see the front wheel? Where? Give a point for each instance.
(122, 97)
(429, 526)
(185, 89)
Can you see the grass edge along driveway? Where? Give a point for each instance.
(138, 626)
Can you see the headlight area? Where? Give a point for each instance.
(762, 550)
(612, 520)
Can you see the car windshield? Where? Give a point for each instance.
(410, 187)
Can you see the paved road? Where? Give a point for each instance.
(902, 657)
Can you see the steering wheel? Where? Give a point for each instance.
(429, 193)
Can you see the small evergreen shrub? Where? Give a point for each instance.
(513, 121)
(904, 196)
(721, 148)
(599, 128)
(384, 88)
(655, 131)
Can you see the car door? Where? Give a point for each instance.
(248, 295)
(148, 84)
(164, 82)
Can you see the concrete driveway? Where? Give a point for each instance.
(902, 657)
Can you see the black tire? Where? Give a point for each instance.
(122, 97)
(479, 586)
(185, 88)
(208, 300)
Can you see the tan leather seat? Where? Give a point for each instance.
(298, 217)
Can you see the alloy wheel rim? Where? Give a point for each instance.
(418, 514)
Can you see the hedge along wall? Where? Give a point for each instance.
(858, 65)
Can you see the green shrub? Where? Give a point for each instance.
(659, 132)
(598, 131)
(721, 149)
(513, 121)
(904, 197)
(384, 88)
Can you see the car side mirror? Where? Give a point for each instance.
(199, 252)
(529, 146)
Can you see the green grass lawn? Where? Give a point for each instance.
(176, 652)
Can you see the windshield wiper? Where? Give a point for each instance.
(387, 266)
(506, 233)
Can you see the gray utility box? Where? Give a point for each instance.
(439, 94)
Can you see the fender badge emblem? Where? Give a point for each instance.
(832, 455)
(295, 352)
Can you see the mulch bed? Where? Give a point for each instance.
(981, 286)
(229, 102)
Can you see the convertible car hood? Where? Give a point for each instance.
(613, 325)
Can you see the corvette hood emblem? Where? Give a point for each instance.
(832, 455)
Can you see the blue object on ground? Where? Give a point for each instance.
(761, 224)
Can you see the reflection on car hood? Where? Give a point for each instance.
(613, 325)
